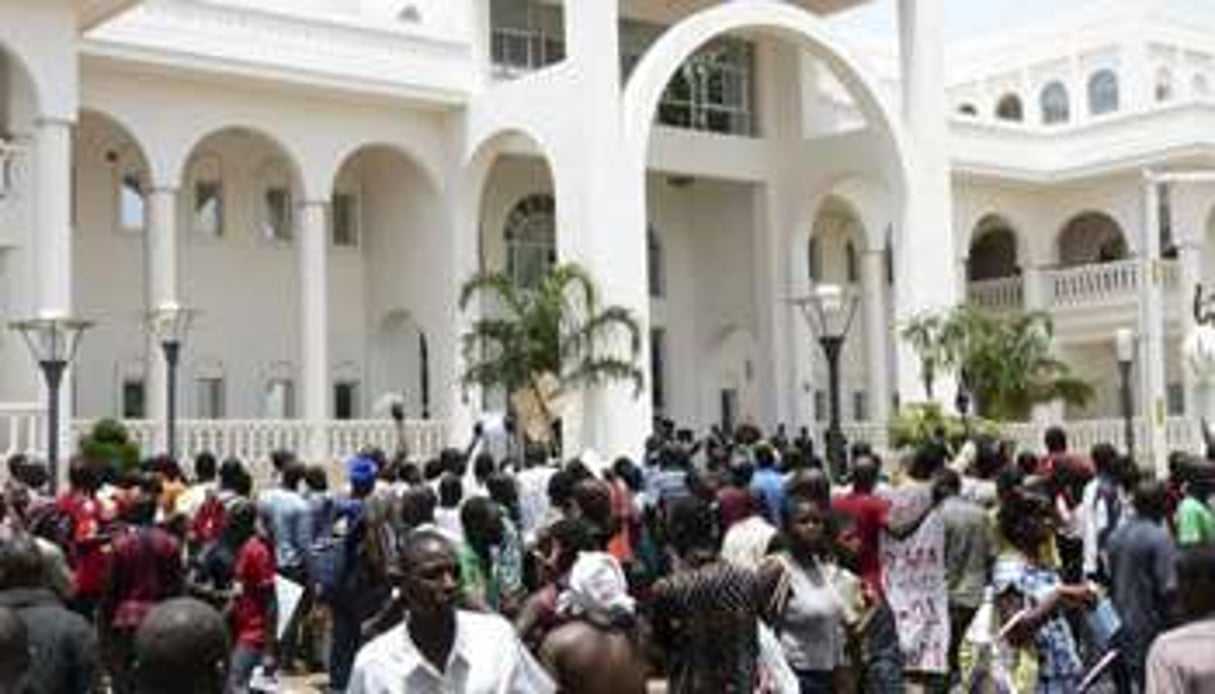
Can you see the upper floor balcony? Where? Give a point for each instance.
(1114, 285)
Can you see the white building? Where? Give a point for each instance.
(316, 177)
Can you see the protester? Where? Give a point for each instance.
(868, 511)
(1102, 505)
(706, 614)
(1180, 660)
(1195, 519)
(145, 569)
(968, 555)
(440, 647)
(15, 659)
(253, 610)
(65, 653)
(181, 647)
(1141, 568)
(823, 604)
(1032, 593)
(599, 650)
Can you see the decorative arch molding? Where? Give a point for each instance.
(283, 151)
(343, 156)
(679, 42)
(49, 67)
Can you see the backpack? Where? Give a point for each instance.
(208, 522)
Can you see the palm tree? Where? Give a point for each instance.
(1006, 362)
(923, 332)
(555, 332)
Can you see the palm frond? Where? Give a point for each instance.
(601, 370)
(497, 284)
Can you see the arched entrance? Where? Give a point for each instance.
(387, 258)
(400, 363)
(740, 228)
(238, 259)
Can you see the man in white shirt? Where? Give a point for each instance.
(439, 648)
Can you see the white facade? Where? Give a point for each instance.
(318, 176)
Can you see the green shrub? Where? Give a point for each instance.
(108, 443)
(919, 424)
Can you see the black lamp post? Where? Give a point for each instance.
(1124, 349)
(829, 312)
(168, 324)
(53, 341)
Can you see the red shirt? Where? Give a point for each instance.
(90, 562)
(254, 572)
(145, 568)
(733, 505)
(868, 512)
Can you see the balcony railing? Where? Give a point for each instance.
(22, 430)
(1098, 284)
(1003, 294)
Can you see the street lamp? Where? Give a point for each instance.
(53, 341)
(829, 311)
(168, 323)
(1124, 350)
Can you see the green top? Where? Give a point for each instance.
(1195, 522)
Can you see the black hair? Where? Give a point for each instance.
(293, 474)
(181, 646)
(205, 466)
(22, 564)
(948, 483)
(451, 490)
(1151, 501)
(765, 456)
(280, 458)
(741, 474)
(1055, 439)
(316, 479)
(865, 473)
(417, 506)
(230, 472)
(453, 461)
(432, 469)
(812, 484)
(484, 466)
(691, 527)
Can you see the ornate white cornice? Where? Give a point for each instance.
(406, 60)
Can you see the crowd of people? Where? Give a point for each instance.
(727, 563)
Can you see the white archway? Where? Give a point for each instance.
(400, 363)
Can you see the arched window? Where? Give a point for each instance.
(1164, 84)
(207, 197)
(1091, 238)
(531, 240)
(276, 212)
(655, 264)
(968, 110)
(131, 207)
(993, 252)
(1009, 108)
(1056, 106)
(1102, 92)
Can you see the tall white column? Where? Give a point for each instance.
(314, 325)
(927, 226)
(53, 240)
(1150, 360)
(597, 190)
(1189, 259)
(877, 332)
(52, 247)
(162, 288)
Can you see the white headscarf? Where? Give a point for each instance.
(596, 585)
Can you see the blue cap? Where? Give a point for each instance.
(361, 470)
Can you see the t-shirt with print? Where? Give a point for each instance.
(254, 574)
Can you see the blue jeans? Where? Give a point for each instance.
(815, 681)
(245, 660)
(343, 646)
